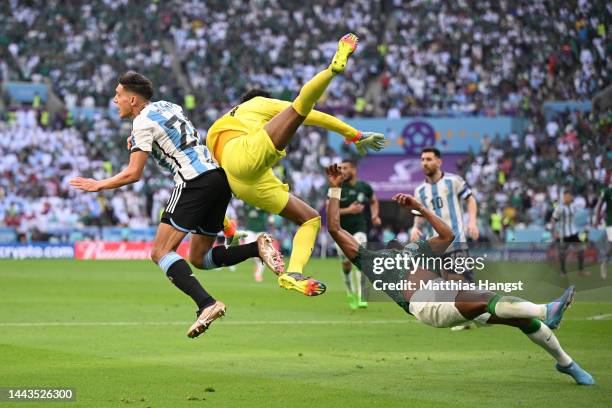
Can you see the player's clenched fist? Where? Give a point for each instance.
(334, 175)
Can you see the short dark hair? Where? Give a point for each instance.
(433, 150)
(351, 161)
(139, 84)
(252, 93)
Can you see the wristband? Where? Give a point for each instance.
(334, 192)
(353, 139)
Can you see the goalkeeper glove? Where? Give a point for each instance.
(370, 141)
(235, 239)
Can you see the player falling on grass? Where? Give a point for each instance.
(197, 204)
(438, 308)
(251, 138)
(357, 203)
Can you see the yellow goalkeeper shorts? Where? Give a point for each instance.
(248, 161)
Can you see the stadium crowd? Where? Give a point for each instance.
(522, 179)
(419, 57)
(219, 48)
(478, 57)
(494, 57)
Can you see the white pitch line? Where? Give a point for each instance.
(228, 322)
(606, 316)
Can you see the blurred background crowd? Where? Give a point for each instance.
(427, 58)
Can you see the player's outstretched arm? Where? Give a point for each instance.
(445, 235)
(332, 123)
(320, 119)
(269, 107)
(363, 141)
(130, 174)
(345, 241)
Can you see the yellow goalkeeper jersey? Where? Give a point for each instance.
(255, 113)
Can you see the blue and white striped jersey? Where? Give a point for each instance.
(564, 215)
(443, 198)
(163, 129)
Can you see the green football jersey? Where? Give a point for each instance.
(256, 219)
(365, 258)
(362, 193)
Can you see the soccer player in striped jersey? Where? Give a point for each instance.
(251, 138)
(442, 193)
(197, 204)
(566, 234)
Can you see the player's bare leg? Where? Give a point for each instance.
(199, 245)
(167, 238)
(283, 126)
(178, 271)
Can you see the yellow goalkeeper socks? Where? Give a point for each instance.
(303, 243)
(311, 92)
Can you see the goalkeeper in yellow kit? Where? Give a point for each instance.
(251, 138)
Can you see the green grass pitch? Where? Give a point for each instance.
(116, 332)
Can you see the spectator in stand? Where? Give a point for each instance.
(465, 57)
